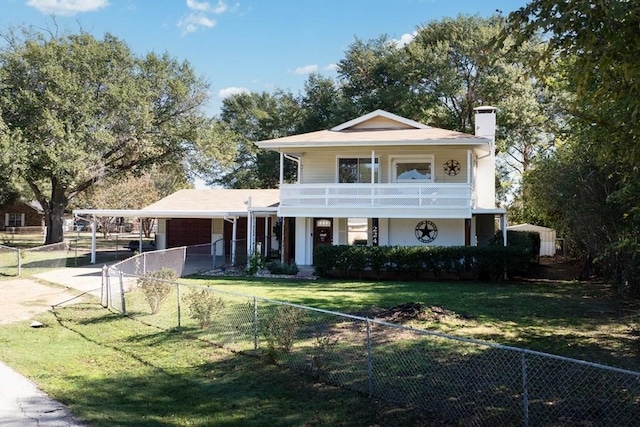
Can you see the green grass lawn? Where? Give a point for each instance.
(112, 370)
(574, 319)
(123, 371)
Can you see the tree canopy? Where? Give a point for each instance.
(250, 117)
(590, 187)
(79, 110)
(449, 68)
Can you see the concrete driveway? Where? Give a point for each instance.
(22, 404)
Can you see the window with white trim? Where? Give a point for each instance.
(414, 169)
(14, 220)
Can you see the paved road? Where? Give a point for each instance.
(22, 404)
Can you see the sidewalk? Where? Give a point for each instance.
(85, 279)
(22, 404)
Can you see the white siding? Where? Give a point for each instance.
(161, 234)
(217, 233)
(320, 166)
(450, 232)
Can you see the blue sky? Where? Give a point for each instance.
(245, 45)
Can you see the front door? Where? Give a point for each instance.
(322, 232)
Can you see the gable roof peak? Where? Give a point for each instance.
(377, 114)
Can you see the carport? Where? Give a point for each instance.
(204, 216)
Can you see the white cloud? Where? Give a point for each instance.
(201, 6)
(228, 91)
(307, 69)
(199, 15)
(405, 39)
(205, 6)
(194, 21)
(331, 67)
(67, 7)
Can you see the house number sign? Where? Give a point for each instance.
(426, 231)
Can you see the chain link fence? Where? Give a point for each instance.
(10, 262)
(463, 381)
(15, 261)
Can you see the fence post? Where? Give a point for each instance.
(179, 310)
(255, 324)
(144, 262)
(525, 391)
(369, 359)
(108, 290)
(124, 308)
(19, 262)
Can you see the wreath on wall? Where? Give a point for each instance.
(426, 231)
(451, 167)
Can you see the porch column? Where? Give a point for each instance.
(469, 166)
(503, 227)
(373, 166)
(284, 241)
(281, 167)
(267, 236)
(234, 237)
(251, 233)
(94, 228)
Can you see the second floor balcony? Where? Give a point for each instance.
(393, 200)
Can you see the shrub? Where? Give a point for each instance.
(280, 330)
(156, 287)
(256, 262)
(204, 306)
(486, 262)
(279, 268)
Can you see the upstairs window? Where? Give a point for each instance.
(414, 169)
(357, 170)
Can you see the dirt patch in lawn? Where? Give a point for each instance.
(21, 299)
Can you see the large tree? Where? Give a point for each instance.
(324, 105)
(450, 67)
(250, 117)
(594, 47)
(80, 110)
(9, 191)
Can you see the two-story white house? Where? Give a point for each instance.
(382, 179)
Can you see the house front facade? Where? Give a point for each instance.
(382, 179)
(22, 217)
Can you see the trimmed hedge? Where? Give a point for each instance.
(418, 262)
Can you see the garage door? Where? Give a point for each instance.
(188, 232)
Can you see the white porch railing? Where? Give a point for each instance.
(392, 200)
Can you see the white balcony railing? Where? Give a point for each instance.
(393, 200)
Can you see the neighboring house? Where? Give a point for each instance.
(380, 179)
(406, 183)
(22, 217)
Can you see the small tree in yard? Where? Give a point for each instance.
(156, 287)
(281, 329)
(204, 306)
